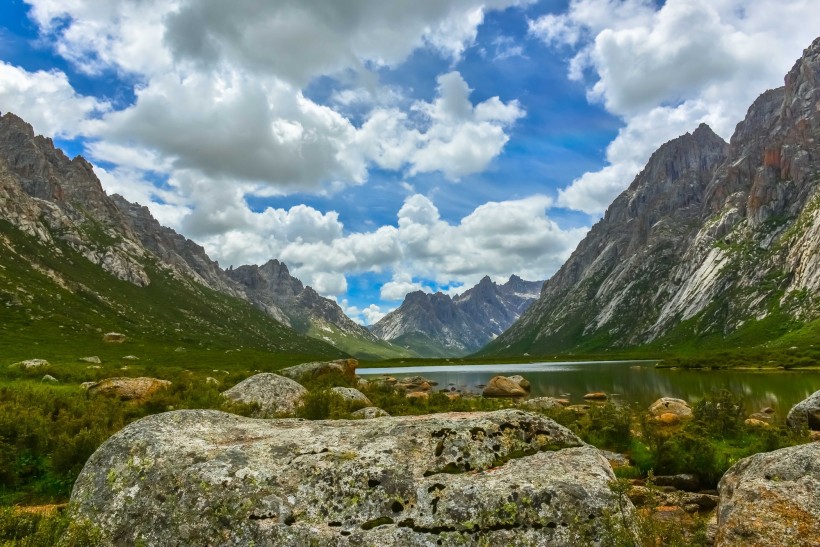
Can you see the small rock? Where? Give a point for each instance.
(422, 395)
(501, 386)
(273, 393)
(210, 380)
(31, 363)
(683, 481)
(130, 358)
(669, 405)
(752, 422)
(128, 389)
(760, 416)
(86, 385)
(180, 350)
(596, 396)
(351, 395)
(49, 378)
(114, 337)
(93, 367)
(542, 403)
(369, 413)
(92, 359)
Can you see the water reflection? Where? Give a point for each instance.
(631, 381)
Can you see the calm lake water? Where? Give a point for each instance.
(629, 381)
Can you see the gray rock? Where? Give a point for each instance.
(273, 393)
(128, 389)
(92, 359)
(31, 363)
(369, 413)
(669, 405)
(49, 378)
(114, 337)
(772, 498)
(200, 477)
(521, 381)
(351, 395)
(806, 413)
(542, 403)
(345, 367)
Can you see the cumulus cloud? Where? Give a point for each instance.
(47, 101)
(401, 284)
(666, 69)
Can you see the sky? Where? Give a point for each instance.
(376, 147)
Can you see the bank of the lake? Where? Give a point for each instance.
(628, 381)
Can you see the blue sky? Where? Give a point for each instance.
(379, 148)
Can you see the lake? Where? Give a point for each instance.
(628, 381)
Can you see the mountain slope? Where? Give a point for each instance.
(435, 325)
(271, 286)
(72, 267)
(711, 244)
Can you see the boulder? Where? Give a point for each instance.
(92, 359)
(203, 477)
(754, 422)
(369, 413)
(306, 371)
(114, 337)
(668, 405)
(31, 363)
(351, 395)
(128, 389)
(273, 393)
(542, 403)
(501, 386)
(596, 396)
(806, 413)
(772, 498)
(521, 381)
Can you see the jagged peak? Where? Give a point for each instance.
(11, 120)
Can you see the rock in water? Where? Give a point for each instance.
(772, 498)
(273, 393)
(501, 386)
(203, 477)
(806, 413)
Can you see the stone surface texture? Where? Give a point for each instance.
(202, 477)
(273, 393)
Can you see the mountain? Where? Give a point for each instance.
(712, 245)
(271, 287)
(75, 262)
(436, 325)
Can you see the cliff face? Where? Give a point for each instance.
(709, 240)
(435, 325)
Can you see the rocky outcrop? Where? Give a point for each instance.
(436, 325)
(128, 389)
(305, 371)
(806, 413)
(772, 499)
(273, 394)
(502, 386)
(204, 477)
(707, 240)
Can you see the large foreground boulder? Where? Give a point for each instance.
(272, 393)
(128, 389)
(772, 498)
(806, 413)
(305, 371)
(202, 477)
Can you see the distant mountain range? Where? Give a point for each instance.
(436, 325)
(713, 245)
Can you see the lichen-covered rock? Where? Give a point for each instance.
(345, 367)
(351, 395)
(806, 413)
(31, 363)
(91, 359)
(369, 413)
(201, 477)
(128, 389)
(501, 386)
(772, 498)
(669, 405)
(542, 403)
(273, 394)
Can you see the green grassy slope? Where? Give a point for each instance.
(57, 306)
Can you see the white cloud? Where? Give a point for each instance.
(665, 70)
(398, 287)
(47, 101)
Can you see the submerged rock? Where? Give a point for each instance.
(201, 477)
(273, 393)
(806, 413)
(772, 498)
